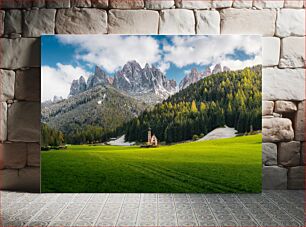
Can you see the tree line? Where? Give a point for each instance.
(50, 138)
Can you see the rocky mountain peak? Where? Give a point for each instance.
(190, 78)
(217, 69)
(136, 80)
(207, 72)
(194, 76)
(226, 69)
(99, 77)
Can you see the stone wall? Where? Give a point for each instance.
(281, 22)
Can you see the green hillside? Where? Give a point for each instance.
(224, 165)
(228, 98)
(93, 115)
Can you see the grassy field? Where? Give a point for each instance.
(224, 165)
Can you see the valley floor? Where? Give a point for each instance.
(224, 165)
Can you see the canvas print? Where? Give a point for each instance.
(148, 114)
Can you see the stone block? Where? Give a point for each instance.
(274, 178)
(33, 158)
(126, 4)
(277, 129)
(20, 53)
(15, 4)
(270, 51)
(2, 15)
(38, 22)
(208, 22)
(3, 121)
(289, 154)
(159, 4)
(55, 4)
(303, 153)
(296, 177)
(293, 3)
(80, 3)
(283, 84)
(99, 3)
(39, 3)
(261, 4)
(299, 122)
(13, 155)
(290, 22)
(178, 21)
(81, 21)
(7, 83)
(269, 154)
(267, 107)
(13, 21)
(222, 4)
(293, 52)
(192, 4)
(285, 107)
(242, 4)
(24, 122)
(27, 85)
(25, 180)
(133, 22)
(248, 21)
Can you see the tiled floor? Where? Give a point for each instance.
(271, 208)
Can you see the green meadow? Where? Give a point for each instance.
(224, 165)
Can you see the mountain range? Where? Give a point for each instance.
(132, 79)
(148, 84)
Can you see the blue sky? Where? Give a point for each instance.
(67, 57)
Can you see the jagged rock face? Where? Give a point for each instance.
(217, 69)
(99, 77)
(194, 76)
(74, 89)
(134, 80)
(78, 86)
(226, 69)
(191, 78)
(82, 84)
(207, 72)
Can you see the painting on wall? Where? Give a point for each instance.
(151, 113)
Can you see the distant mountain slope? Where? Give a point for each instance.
(102, 107)
(231, 98)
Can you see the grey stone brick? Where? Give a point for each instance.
(13, 21)
(20, 53)
(274, 177)
(26, 179)
(296, 176)
(269, 154)
(24, 122)
(27, 85)
(38, 22)
(289, 154)
(13, 155)
(81, 21)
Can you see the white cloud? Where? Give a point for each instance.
(57, 81)
(203, 50)
(113, 51)
(163, 66)
(238, 64)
